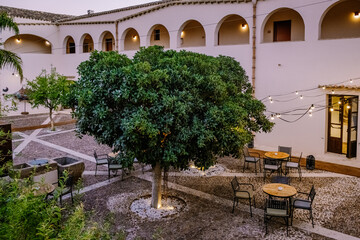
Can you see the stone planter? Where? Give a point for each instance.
(47, 173)
(73, 166)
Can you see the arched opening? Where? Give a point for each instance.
(28, 43)
(70, 45)
(87, 43)
(192, 34)
(107, 41)
(233, 30)
(159, 36)
(131, 40)
(283, 24)
(341, 20)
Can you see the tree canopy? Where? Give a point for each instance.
(8, 58)
(168, 107)
(48, 90)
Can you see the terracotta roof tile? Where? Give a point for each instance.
(31, 14)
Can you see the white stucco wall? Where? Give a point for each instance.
(281, 67)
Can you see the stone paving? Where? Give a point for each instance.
(208, 197)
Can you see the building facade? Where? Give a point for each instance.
(302, 57)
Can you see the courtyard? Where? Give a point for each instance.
(208, 196)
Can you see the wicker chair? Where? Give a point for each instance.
(251, 159)
(243, 191)
(276, 208)
(295, 165)
(305, 204)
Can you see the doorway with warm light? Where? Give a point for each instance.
(342, 124)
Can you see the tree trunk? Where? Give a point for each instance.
(51, 121)
(156, 187)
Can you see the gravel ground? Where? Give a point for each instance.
(335, 206)
(201, 219)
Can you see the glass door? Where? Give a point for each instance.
(352, 127)
(342, 125)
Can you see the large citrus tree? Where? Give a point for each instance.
(167, 108)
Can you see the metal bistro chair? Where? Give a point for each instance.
(114, 166)
(276, 208)
(242, 191)
(251, 159)
(280, 179)
(305, 204)
(65, 185)
(294, 165)
(271, 165)
(285, 150)
(100, 160)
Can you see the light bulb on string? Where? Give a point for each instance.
(272, 117)
(332, 91)
(310, 110)
(269, 97)
(323, 87)
(297, 93)
(278, 115)
(312, 106)
(271, 101)
(351, 81)
(310, 114)
(301, 97)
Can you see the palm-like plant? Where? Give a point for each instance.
(8, 58)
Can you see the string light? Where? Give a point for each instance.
(332, 91)
(296, 92)
(301, 97)
(310, 114)
(312, 107)
(278, 115)
(323, 87)
(270, 97)
(271, 101)
(351, 81)
(272, 117)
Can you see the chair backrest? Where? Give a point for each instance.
(246, 152)
(312, 194)
(285, 149)
(95, 155)
(269, 161)
(277, 204)
(280, 179)
(300, 158)
(235, 184)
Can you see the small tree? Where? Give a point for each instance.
(48, 90)
(167, 108)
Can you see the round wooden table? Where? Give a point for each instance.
(272, 189)
(277, 155)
